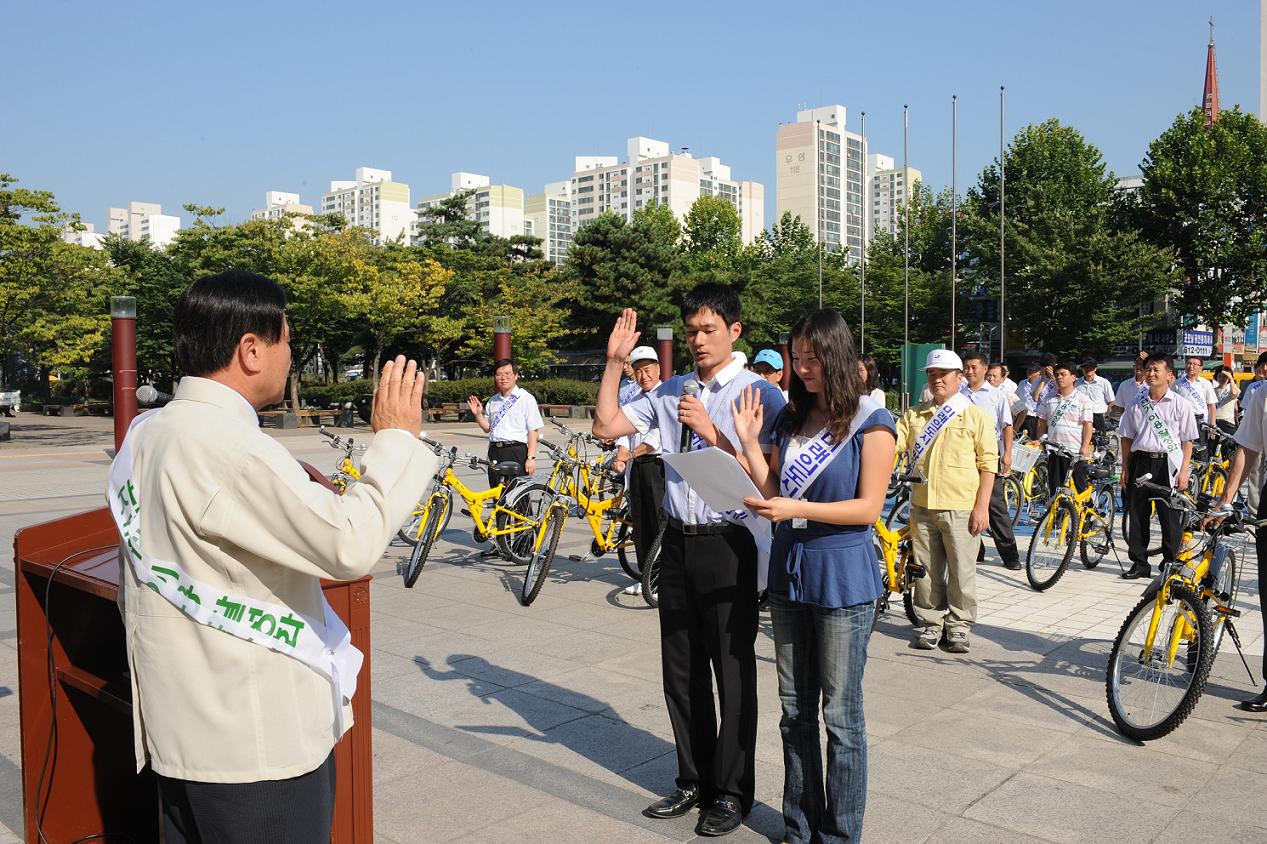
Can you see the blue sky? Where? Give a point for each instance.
(216, 103)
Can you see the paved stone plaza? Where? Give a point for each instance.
(495, 722)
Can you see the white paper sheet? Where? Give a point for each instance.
(715, 476)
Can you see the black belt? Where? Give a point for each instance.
(1154, 455)
(504, 443)
(711, 529)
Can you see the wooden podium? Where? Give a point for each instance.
(90, 785)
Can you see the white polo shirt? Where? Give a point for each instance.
(520, 415)
(1200, 394)
(1099, 393)
(1067, 430)
(1128, 391)
(1252, 432)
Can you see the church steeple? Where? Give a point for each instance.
(1210, 100)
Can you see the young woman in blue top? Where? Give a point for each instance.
(824, 578)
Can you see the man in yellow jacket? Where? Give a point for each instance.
(952, 447)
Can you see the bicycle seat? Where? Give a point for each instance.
(508, 468)
(1099, 473)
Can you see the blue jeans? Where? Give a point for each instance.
(820, 655)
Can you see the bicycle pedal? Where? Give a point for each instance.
(1229, 612)
(466, 512)
(915, 572)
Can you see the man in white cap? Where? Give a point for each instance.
(952, 446)
(639, 456)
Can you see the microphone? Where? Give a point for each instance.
(147, 395)
(689, 388)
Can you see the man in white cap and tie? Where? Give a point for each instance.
(638, 456)
(951, 445)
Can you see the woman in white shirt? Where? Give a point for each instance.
(871, 380)
(1226, 392)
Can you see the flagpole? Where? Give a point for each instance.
(906, 253)
(862, 262)
(1002, 231)
(954, 209)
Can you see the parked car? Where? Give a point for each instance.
(354, 372)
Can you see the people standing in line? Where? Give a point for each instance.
(824, 486)
(951, 443)
(708, 566)
(872, 383)
(1157, 432)
(995, 404)
(1251, 440)
(638, 456)
(1227, 394)
(1099, 392)
(769, 365)
(1066, 420)
(1197, 390)
(512, 423)
(1130, 389)
(218, 517)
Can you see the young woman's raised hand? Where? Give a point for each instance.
(748, 414)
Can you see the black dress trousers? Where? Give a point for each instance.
(1139, 504)
(708, 627)
(646, 502)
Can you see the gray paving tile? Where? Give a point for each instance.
(1006, 743)
(1199, 827)
(947, 782)
(1225, 796)
(561, 822)
(1140, 772)
(964, 831)
(1066, 812)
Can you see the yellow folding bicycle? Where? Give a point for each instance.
(1080, 515)
(520, 530)
(898, 569)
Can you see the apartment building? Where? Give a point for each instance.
(372, 200)
(819, 177)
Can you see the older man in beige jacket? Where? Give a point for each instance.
(219, 519)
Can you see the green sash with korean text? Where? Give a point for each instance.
(323, 644)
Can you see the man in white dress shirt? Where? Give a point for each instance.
(512, 422)
(241, 676)
(1130, 388)
(638, 456)
(994, 402)
(1197, 390)
(1099, 392)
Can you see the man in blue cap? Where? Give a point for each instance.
(769, 365)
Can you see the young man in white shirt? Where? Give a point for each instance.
(1197, 390)
(1066, 420)
(512, 423)
(1099, 392)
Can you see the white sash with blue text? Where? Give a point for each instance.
(952, 407)
(799, 473)
(506, 405)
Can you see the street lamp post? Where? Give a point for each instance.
(123, 363)
(501, 338)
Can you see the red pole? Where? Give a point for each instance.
(123, 363)
(786, 380)
(501, 338)
(664, 348)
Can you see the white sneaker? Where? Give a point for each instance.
(635, 589)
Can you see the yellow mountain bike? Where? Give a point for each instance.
(1161, 657)
(520, 531)
(347, 472)
(1080, 515)
(898, 569)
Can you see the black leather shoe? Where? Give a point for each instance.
(1256, 704)
(675, 805)
(722, 818)
(1137, 571)
(1012, 565)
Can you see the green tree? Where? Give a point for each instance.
(155, 279)
(1074, 277)
(1204, 201)
(449, 221)
(537, 303)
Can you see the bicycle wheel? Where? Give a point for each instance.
(1223, 588)
(543, 555)
(899, 514)
(1013, 498)
(426, 538)
(651, 572)
(529, 502)
(908, 604)
(1149, 695)
(625, 550)
(412, 529)
(1051, 546)
(1094, 548)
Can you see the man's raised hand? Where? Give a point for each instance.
(398, 399)
(624, 336)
